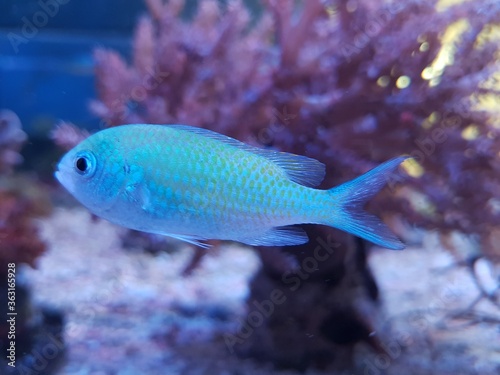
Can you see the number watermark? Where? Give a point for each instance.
(11, 314)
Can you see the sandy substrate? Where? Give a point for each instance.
(128, 312)
(429, 303)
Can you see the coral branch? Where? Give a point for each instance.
(12, 138)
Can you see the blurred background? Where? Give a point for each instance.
(350, 83)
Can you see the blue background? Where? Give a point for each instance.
(50, 77)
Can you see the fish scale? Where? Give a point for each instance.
(194, 184)
(245, 198)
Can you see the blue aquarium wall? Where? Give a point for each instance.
(46, 69)
(46, 63)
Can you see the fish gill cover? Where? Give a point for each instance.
(352, 84)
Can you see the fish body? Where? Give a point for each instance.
(194, 184)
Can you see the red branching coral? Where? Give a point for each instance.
(351, 84)
(19, 241)
(21, 200)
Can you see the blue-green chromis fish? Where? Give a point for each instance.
(194, 184)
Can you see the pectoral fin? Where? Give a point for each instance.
(140, 195)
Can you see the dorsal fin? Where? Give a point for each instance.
(300, 169)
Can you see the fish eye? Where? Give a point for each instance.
(81, 164)
(85, 163)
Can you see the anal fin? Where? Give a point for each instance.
(278, 236)
(189, 239)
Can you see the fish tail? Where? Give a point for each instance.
(350, 198)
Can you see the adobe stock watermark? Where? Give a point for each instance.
(375, 365)
(418, 321)
(370, 30)
(137, 95)
(41, 357)
(427, 145)
(31, 26)
(264, 309)
(277, 124)
(94, 307)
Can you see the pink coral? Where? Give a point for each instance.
(66, 135)
(12, 137)
(19, 241)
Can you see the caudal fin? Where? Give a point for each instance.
(353, 195)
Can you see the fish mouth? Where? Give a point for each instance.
(57, 175)
(63, 177)
(58, 171)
